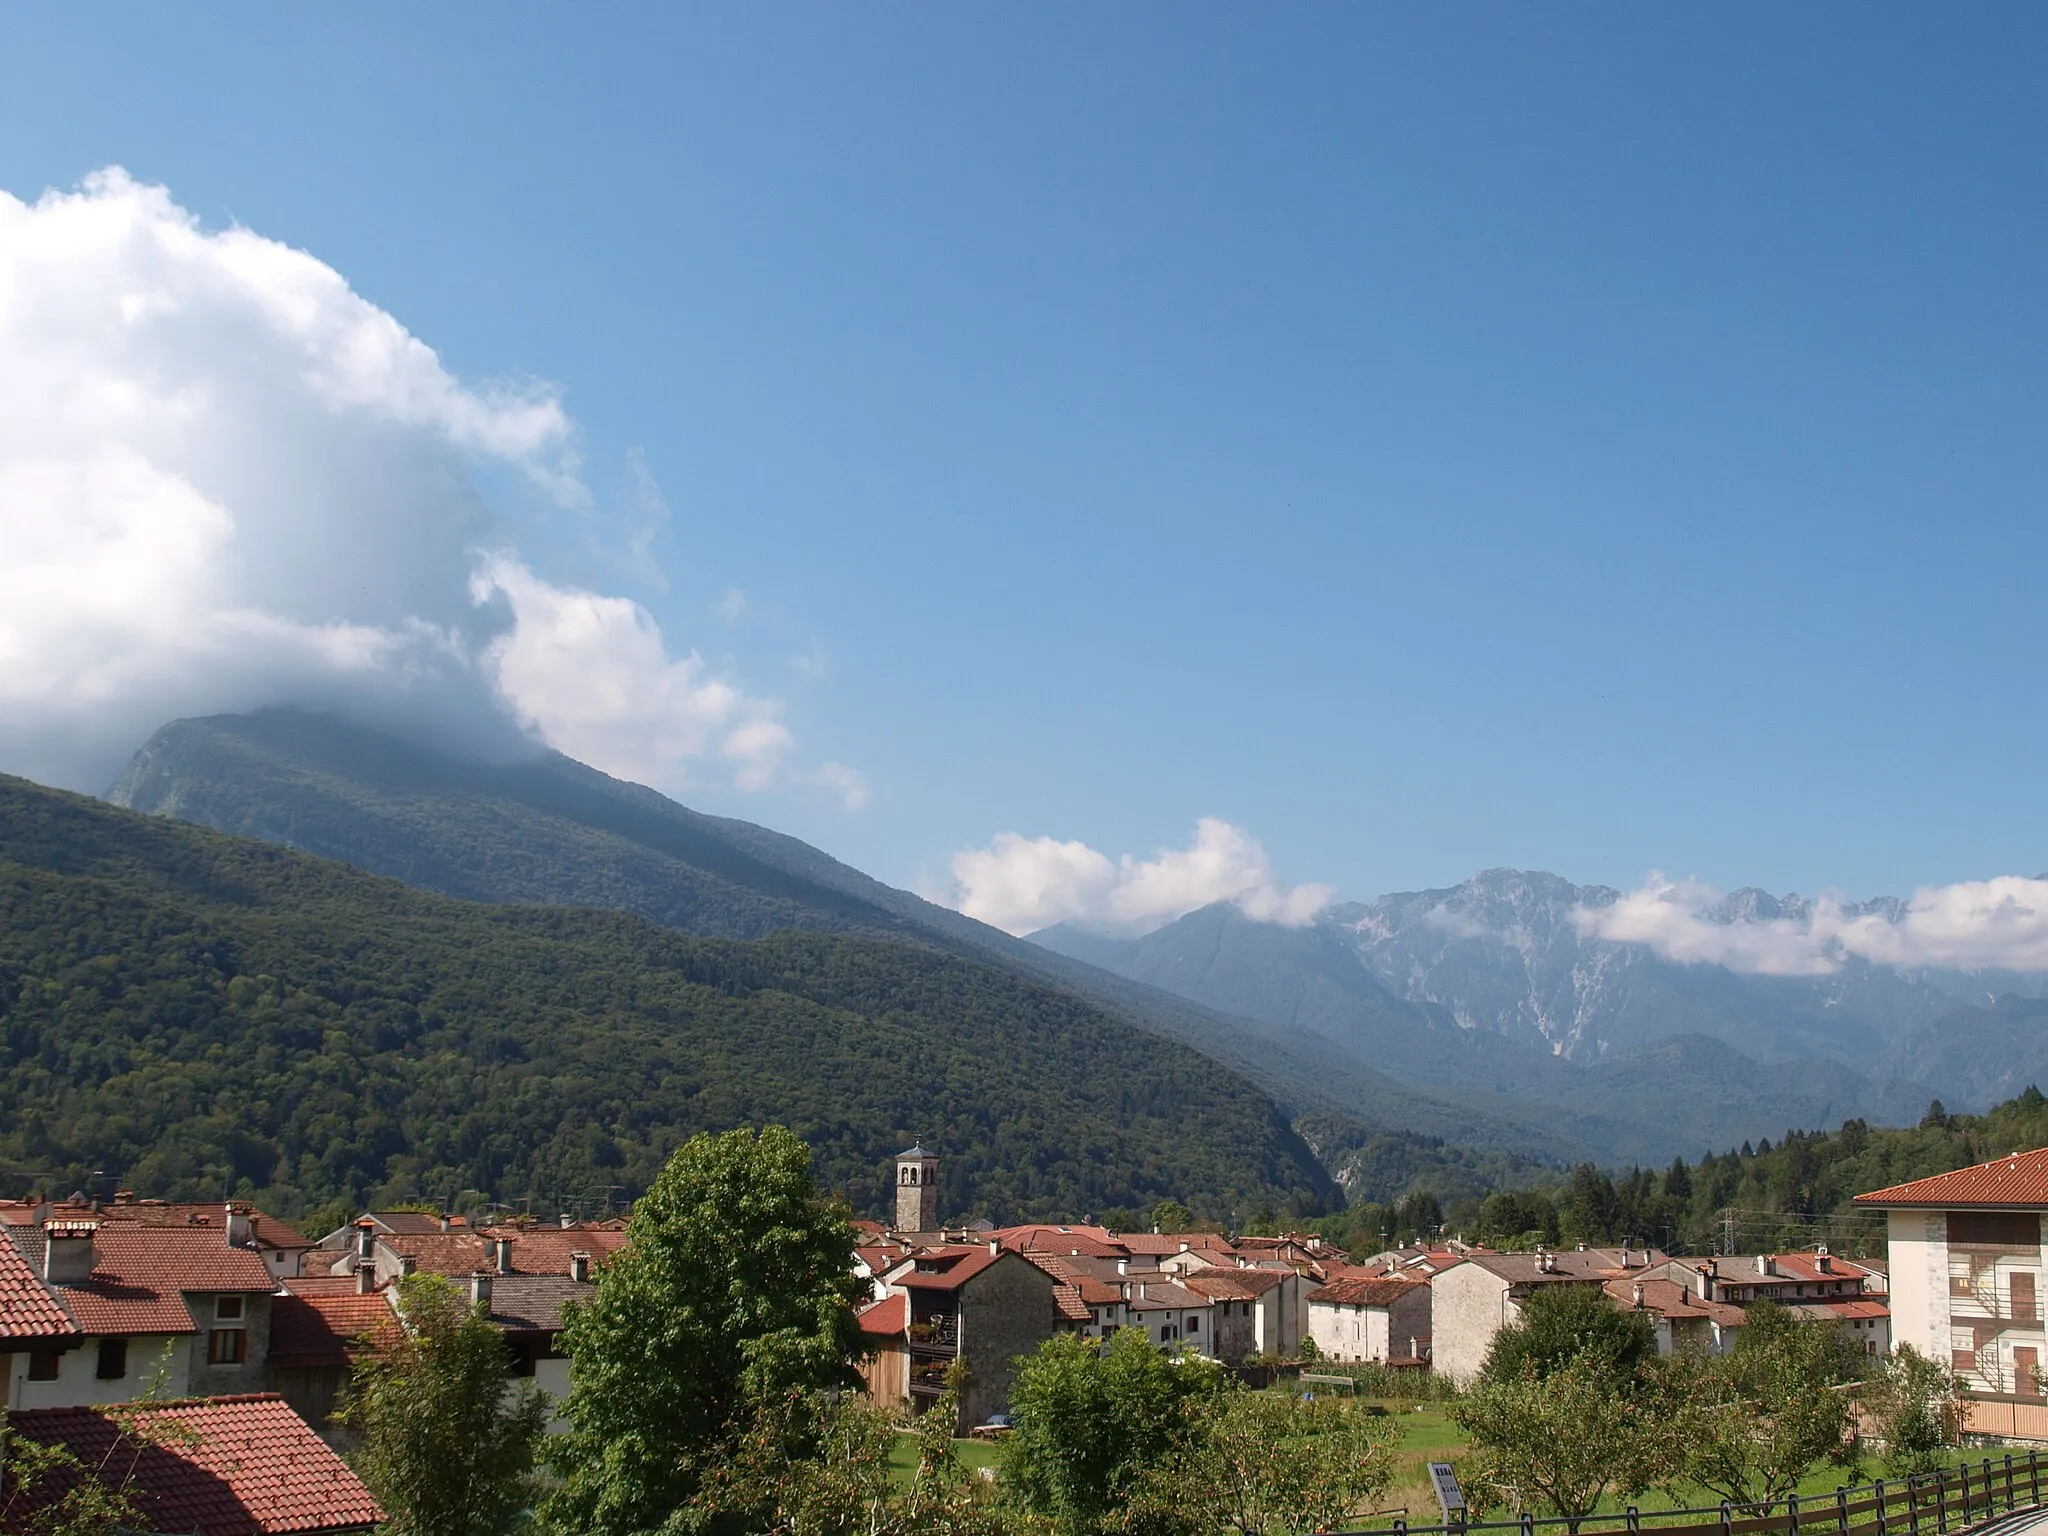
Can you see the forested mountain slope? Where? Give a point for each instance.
(548, 829)
(202, 1014)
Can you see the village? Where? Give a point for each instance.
(245, 1330)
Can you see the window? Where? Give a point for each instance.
(42, 1364)
(227, 1346)
(113, 1359)
(1194, 1325)
(1963, 1359)
(228, 1308)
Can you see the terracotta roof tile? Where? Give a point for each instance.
(956, 1267)
(1667, 1298)
(1088, 1287)
(1365, 1293)
(887, 1318)
(1068, 1299)
(326, 1328)
(2018, 1181)
(27, 1308)
(140, 1273)
(223, 1466)
(267, 1230)
(1233, 1284)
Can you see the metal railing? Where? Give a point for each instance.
(1930, 1504)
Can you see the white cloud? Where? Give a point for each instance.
(1022, 884)
(849, 784)
(228, 480)
(1995, 924)
(731, 606)
(590, 674)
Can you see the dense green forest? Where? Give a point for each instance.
(1756, 1198)
(199, 1014)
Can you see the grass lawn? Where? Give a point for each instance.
(974, 1455)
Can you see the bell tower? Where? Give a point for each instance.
(917, 1191)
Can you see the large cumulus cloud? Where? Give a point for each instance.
(227, 479)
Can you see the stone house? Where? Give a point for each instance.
(1814, 1285)
(1381, 1320)
(1254, 1311)
(1473, 1299)
(140, 1300)
(982, 1305)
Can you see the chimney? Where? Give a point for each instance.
(366, 1280)
(68, 1251)
(1183, 1247)
(501, 1254)
(241, 1231)
(444, 1221)
(366, 1241)
(1822, 1261)
(1626, 1258)
(1764, 1265)
(1705, 1283)
(408, 1263)
(568, 1221)
(1639, 1295)
(579, 1267)
(1141, 1290)
(480, 1289)
(1123, 1266)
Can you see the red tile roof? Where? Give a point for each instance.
(27, 1309)
(1232, 1284)
(139, 1273)
(1042, 1237)
(327, 1328)
(1669, 1299)
(1068, 1299)
(887, 1318)
(1859, 1309)
(2016, 1182)
(1165, 1244)
(1089, 1289)
(956, 1267)
(1365, 1293)
(267, 1230)
(223, 1466)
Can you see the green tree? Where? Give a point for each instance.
(1753, 1422)
(1917, 1404)
(1088, 1423)
(1267, 1464)
(1171, 1216)
(814, 1463)
(1562, 1441)
(736, 1286)
(49, 1490)
(1562, 1323)
(446, 1447)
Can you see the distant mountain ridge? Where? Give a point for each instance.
(1499, 979)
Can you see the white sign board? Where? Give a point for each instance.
(1448, 1493)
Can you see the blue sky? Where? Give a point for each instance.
(1425, 438)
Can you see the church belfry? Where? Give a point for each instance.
(917, 1191)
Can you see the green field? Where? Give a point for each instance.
(974, 1454)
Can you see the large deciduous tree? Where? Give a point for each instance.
(1563, 1440)
(735, 1288)
(447, 1445)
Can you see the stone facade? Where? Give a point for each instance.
(1006, 1310)
(917, 1191)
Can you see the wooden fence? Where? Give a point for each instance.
(1930, 1505)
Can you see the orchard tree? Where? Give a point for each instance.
(1755, 1421)
(1088, 1423)
(735, 1288)
(1562, 1323)
(1564, 1440)
(446, 1447)
(1917, 1404)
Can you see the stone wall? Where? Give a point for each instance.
(1005, 1311)
(1467, 1306)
